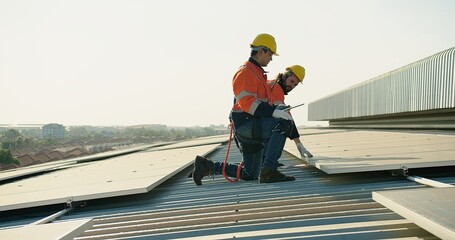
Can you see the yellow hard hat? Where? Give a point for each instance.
(298, 71)
(265, 40)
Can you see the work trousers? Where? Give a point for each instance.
(271, 140)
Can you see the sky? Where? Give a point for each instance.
(122, 63)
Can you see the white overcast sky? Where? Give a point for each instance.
(110, 62)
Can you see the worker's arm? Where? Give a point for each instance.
(246, 90)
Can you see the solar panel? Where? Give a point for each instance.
(20, 172)
(25, 171)
(431, 208)
(60, 230)
(360, 151)
(123, 175)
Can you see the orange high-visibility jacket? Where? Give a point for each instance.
(276, 93)
(277, 97)
(251, 93)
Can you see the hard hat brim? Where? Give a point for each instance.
(258, 47)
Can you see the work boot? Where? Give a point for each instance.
(202, 167)
(270, 176)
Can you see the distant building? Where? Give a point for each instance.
(220, 129)
(53, 131)
(150, 126)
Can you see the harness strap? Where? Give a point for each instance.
(239, 167)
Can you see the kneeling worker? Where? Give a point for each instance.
(255, 120)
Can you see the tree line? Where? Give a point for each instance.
(13, 139)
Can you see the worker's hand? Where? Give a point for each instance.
(282, 106)
(277, 113)
(303, 151)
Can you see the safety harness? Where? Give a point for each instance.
(231, 126)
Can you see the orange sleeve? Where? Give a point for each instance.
(245, 86)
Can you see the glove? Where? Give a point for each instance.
(303, 150)
(277, 113)
(282, 106)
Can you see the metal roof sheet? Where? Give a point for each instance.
(317, 205)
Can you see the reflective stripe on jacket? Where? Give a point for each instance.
(251, 94)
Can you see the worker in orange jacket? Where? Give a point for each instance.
(260, 128)
(281, 86)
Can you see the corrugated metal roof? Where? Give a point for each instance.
(316, 206)
(342, 204)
